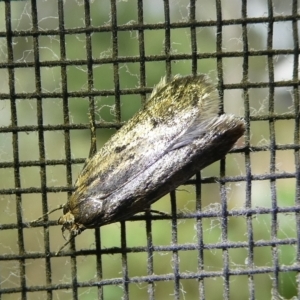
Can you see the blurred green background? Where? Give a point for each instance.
(128, 46)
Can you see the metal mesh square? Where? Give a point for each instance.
(233, 230)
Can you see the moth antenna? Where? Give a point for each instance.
(48, 213)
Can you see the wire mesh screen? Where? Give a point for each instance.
(232, 231)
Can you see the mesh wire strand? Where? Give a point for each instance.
(225, 244)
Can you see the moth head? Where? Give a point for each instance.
(67, 220)
(68, 223)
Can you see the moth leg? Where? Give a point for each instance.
(93, 148)
(157, 212)
(65, 244)
(75, 230)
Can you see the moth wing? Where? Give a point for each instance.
(114, 170)
(197, 129)
(168, 122)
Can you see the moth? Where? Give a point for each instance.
(177, 133)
